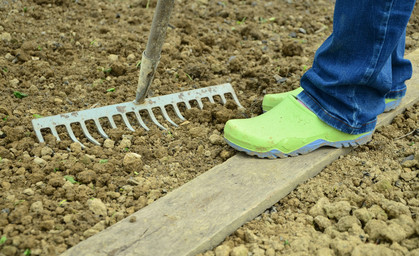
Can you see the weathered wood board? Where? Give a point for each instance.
(200, 214)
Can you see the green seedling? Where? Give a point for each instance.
(103, 161)
(126, 149)
(5, 118)
(239, 22)
(92, 42)
(3, 240)
(1, 159)
(70, 179)
(62, 202)
(107, 70)
(20, 95)
(39, 48)
(37, 116)
(4, 70)
(286, 242)
(136, 173)
(148, 4)
(19, 202)
(25, 9)
(190, 78)
(138, 64)
(305, 67)
(110, 90)
(27, 252)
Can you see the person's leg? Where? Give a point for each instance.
(345, 88)
(352, 71)
(401, 71)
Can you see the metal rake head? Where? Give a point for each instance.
(122, 109)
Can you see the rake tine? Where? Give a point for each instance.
(112, 122)
(223, 99)
(55, 133)
(236, 100)
(124, 117)
(200, 105)
(166, 116)
(39, 136)
(140, 120)
(177, 111)
(100, 129)
(153, 118)
(72, 136)
(188, 106)
(87, 134)
(211, 99)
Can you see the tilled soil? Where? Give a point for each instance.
(59, 56)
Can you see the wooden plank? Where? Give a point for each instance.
(200, 214)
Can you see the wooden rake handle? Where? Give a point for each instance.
(151, 55)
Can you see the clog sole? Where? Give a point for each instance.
(306, 149)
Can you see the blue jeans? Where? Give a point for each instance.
(360, 64)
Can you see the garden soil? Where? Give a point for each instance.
(59, 56)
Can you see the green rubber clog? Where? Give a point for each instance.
(288, 129)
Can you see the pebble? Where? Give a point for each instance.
(5, 36)
(46, 151)
(374, 228)
(28, 192)
(39, 161)
(318, 208)
(322, 222)
(240, 250)
(347, 222)
(68, 219)
(338, 210)
(216, 139)
(113, 57)
(14, 82)
(86, 176)
(222, 250)
(125, 143)
(9, 57)
(131, 158)
(395, 209)
(108, 143)
(9, 250)
(90, 232)
(394, 232)
(58, 101)
(75, 147)
(249, 237)
(37, 207)
(363, 215)
(97, 207)
(131, 57)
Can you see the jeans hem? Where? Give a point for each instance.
(333, 120)
(397, 94)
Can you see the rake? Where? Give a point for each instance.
(141, 104)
